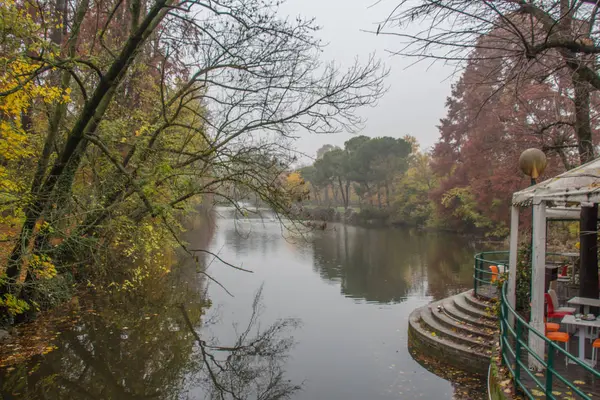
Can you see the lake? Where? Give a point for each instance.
(331, 318)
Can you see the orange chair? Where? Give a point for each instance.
(552, 327)
(595, 346)
(562, 337)
(494, 269)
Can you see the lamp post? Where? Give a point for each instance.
(533, 163)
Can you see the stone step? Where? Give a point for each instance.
(458, 314)
(478, 302)
(461, 303)
(460, 325)
(430, 323)
(455, 354)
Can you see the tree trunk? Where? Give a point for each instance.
(387, 194)
(564, 159)
(344, 199)
(347, 202)
(588, 235)
(317, 196)
(588, 245)
(583, 126)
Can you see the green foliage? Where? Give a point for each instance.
(372, 214)
(52, 292)
(411, 204)
(394, 173)
(523, 286)
(366, 165)
(465, 207)
(13, 305)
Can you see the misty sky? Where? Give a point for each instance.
(415, 100)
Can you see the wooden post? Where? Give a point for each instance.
(538, 282)
(512, 257)
(588, 250)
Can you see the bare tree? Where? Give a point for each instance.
(535, 39)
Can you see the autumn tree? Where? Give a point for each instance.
(122, 114)
(547, 37)
(486, 129)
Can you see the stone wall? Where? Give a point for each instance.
(451, 356)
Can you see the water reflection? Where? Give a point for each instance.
(128, 345)
(387, 265)
(154, 343)
(147, 344)
(353, 289)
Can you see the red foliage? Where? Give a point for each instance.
(496, 110)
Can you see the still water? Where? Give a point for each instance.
(325, 313)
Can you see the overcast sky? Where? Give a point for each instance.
(415, 101)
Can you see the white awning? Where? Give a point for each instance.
(579, 185)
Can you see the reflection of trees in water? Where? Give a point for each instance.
(252, 367)
(130, 347)
(247, 237)
(449, 265)
(385, 265)
(138, 345)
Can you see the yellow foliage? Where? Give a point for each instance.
(42, 267)
(24, 90)
(296, 186)
(13, 305)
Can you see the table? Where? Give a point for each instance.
(585, 302)
(581, 325)
(569, 255)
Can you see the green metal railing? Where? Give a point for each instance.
(483, 277)
(549, 382)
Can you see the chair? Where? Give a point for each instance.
(494, 269)
(564, 272)
(595, 346)
(552, 327)
(552, 313)
(562, 337)
(554, 298)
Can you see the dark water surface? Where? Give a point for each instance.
(349, 290)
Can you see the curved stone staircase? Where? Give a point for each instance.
(458, 330)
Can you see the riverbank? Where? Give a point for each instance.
(26, 341)
(376, 217)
